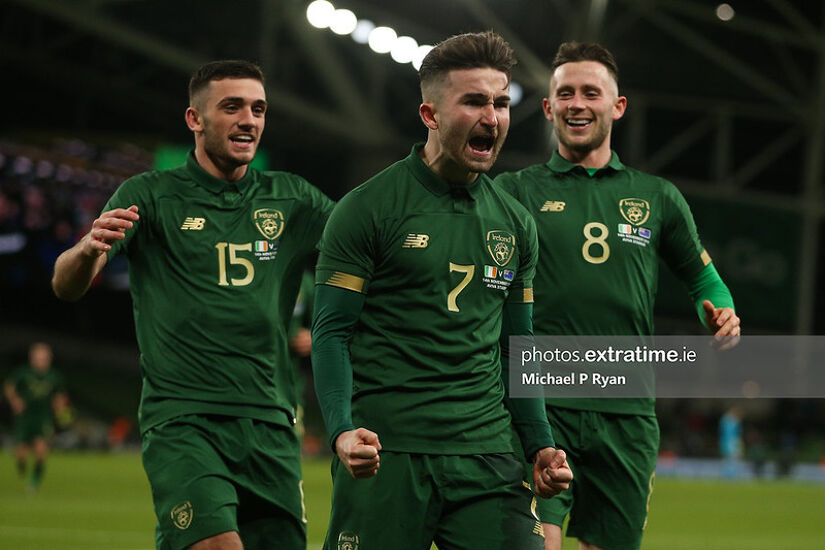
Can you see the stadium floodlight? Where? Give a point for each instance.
(320, 14)
(343, 22)
(725, 12)
(420, 54)
(382, 39)
(363, 28)
(516, 93)
(404, 49)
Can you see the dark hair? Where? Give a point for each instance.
(467, 51)
(571, 52)
(218, 70)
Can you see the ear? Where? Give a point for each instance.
(619, 107)
(428, 115)
(193, 120)
(546, 108)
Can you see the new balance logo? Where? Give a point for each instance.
(193, 224)
(416, 240)
(553, 206)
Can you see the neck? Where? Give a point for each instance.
(433, 156)
(215, 168)
(592, 158)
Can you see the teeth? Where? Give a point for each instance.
(242, 138)
(577, 122)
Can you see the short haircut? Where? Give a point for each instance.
(572, 52)
(466, 51)
(218, 70)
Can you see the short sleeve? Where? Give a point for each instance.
(348, 249)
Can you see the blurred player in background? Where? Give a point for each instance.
(731, 441)
(216, 251)
(421, 269)
(602, 229)
(37, 395)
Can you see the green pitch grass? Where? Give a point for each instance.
(102, 502)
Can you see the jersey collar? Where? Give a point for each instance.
(213, 184)
(434, 183)
(558, 163)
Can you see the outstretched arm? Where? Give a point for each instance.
(76, 268)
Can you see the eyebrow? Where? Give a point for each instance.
(233, 99)
(481, 96)
(585, 87)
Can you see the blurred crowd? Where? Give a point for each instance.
(49, 196)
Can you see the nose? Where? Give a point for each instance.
(488, 115)
(577, 102)
(247, 118)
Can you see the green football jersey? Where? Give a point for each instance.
(214, 268)
(436, 263)
(36, 389)
(600, 240)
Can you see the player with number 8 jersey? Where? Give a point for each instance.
(614, 225)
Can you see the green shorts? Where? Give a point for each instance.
(613, 458)
(29, 426)
(212, 474)
(459, 502)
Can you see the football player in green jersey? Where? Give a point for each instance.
(602, 228)
(36, 394)
(422, 269)
(216, 250)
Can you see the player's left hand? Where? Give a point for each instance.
(551, 473)
(725, 323)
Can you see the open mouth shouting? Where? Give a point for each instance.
(482, 145)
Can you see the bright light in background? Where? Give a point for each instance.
(361, 33)
(320, 14)
(404, 49)
(420, 54)
(382, 39)
(343, 22)
(516, 93)
(725, 12)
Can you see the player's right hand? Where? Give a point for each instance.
(358, 451)
(108, 228)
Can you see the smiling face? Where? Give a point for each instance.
(584, 101)
(227, 119)
(468, 116)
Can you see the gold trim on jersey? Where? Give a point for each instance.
(528, 295)
(705, 257)
(347, 281)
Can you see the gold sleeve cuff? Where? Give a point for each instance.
(705, 257)
(528, 295)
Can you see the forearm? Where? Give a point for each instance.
(74, 271)
(708, 285)
(335, 313)
(529, 416)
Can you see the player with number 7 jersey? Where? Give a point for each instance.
(436, 264)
